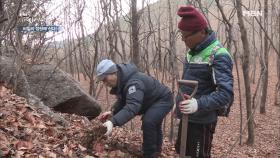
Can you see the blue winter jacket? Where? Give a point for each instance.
(136, 93)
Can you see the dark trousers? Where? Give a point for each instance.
(151, 125)
(199, 140)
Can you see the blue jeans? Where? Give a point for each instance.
(152, 126)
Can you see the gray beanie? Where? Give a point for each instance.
(104, 68)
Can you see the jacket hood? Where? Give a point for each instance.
(125, 71)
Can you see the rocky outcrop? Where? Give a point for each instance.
(55, 88)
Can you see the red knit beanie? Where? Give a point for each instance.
(192, 20)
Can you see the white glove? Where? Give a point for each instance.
(188, 106)
(109, 126)
(104, 116)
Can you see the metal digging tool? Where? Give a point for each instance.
(184, 129)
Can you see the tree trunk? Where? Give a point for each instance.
(245, 67)
(118, 28)
(255, 55)
(277, 89)
(70, 48)
(135, 34)
(84, 56)
(106, 9)
(2, 16)
(159, 49)
(264, 65)
(172, 58)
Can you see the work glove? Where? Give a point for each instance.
(104, 116)
(109, 126)
(188, 106)
(174, 113)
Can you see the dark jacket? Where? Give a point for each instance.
(215, 80)
(136, 92)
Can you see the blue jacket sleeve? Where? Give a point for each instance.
(222, 75)
(117, 106)
(134, 100)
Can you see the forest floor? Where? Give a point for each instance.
(26, 132)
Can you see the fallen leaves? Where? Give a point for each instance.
(82, 148)
(3, 91)
(117, 154)
(28, 132)
(4, 145)
(29, 117)
(99, 148)
(24, 145)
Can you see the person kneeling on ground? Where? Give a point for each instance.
(137, 94)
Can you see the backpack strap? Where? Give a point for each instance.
(213, 53)
(211, 60)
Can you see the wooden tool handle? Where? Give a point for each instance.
(184, 135)
(188, 82)
(184, 130)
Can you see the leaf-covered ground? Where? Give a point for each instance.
(26, 131)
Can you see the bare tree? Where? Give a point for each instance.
(245, 67)
(172, 58)
(277, 88)
(264, 63)
(135, 51)
(118, 33)
(230, 42)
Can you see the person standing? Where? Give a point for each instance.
(209, 63)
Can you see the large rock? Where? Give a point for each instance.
(13, 76)
(55, 88)
(60, 91)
